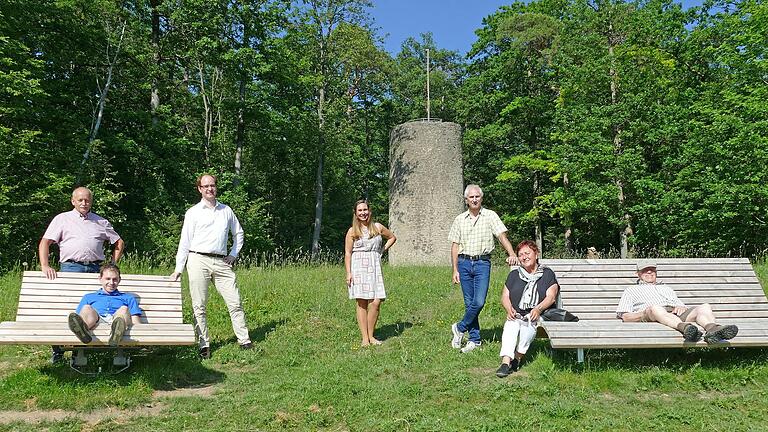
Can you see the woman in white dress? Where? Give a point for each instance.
(362, 259)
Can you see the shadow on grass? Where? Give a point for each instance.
(671, 359)
(162, 368)
(491, 334)
(258, 334)
(393, 330)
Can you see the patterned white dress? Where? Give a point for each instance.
(367, 281)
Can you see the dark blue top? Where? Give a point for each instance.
(107, 303)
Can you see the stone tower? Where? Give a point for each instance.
(425, 191)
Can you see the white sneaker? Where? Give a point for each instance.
(469, 347)
(458, 336)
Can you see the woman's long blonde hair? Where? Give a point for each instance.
(357, 227)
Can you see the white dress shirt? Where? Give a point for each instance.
(206, 230)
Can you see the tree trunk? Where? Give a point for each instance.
(319, 174)
(154, 98)
(240, 131)
(98, 113)
(567, 220)
(626, 228)
(538, 230)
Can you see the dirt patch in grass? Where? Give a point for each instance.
(92, 418)
(194, 391)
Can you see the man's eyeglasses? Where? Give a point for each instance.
(209, 186)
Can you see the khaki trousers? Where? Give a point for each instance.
(202, 270)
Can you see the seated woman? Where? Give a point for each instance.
(530, 290)
(108, 305)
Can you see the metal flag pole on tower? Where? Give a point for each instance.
(428, 117)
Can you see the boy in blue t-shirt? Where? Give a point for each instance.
(107, 304)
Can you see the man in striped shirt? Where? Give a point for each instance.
(652, 302)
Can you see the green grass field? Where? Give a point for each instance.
(309, 373)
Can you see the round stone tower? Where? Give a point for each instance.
(425, 190)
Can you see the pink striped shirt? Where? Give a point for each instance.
(80, 238)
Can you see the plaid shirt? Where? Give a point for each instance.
(476, 237)
(637, 298)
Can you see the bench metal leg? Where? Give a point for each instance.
(580, 355)
(120, 358)
(79, 358)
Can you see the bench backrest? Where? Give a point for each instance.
(591, 289)
(44, 300)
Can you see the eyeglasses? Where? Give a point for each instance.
(208, 186)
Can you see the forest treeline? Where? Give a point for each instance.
(637, 127)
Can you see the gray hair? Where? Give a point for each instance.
(470, 187)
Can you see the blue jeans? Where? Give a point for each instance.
(71, 267)
(475, 277)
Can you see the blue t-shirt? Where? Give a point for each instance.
(108, 303)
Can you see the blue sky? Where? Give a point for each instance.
(452, 22)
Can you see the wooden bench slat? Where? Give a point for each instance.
(718, 315)
(748, 323)
(63, 319)
(698, 274)
(654, 343)
(57, 288)
(168, 295)
(73, 341)
(631, 281)
(576, 299)
(633, 262)
(600, 307)
(149, 314)
(72, 302)
(55, 326)
(70, 307)
(66, 276)
(570, 287)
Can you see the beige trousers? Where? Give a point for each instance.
(202, 270)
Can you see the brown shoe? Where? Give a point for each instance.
(691, 333)
(78, 327)
(721, 333)
(118, 330)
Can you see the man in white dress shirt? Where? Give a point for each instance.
(203, 248)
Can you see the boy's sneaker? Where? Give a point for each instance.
(721, 333)
(78, 327)
(470, 346)
(457, 336)
(118, 330)
(691, 333)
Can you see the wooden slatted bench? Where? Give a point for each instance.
(591, 290)
(41, 318)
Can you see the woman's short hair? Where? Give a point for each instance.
(531, 245)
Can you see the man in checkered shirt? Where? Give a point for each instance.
(472, 242)
(651, 302)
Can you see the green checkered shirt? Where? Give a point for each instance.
(476, 238)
